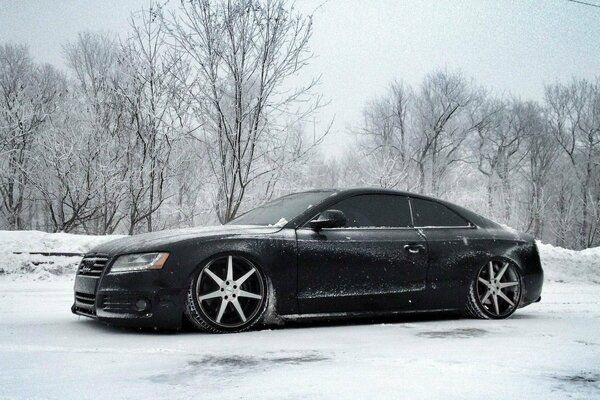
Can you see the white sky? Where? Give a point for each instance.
(360, 46)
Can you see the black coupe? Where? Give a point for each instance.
(316, 254)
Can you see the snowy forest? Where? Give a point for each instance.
(203, 111)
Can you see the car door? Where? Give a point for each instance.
(451, 239)
(377, 262)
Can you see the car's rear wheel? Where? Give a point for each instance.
(495, 292)
(228, 294)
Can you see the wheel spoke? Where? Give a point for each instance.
(212, 295)
(486, 283)
(491, 265)
(239, 310)
(505, 297)
(215, 278)
(508, 284)
(502, 271)
(487, 295)
(229, 269)
(243, 293)
(245, 277)
(222, 310)
(495, 297)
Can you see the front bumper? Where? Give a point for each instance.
(136, 299)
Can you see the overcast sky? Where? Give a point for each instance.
(360, 46)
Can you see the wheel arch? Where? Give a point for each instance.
(274, 255)
(514, 252)
(465, 265)
(499, 257)
(234, 251)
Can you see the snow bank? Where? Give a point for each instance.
(560, 265)
(17, 248)
(563, 265)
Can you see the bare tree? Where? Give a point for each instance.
(386, 121)
(441, 126)
(245, 51)
(27, 95)
(490, 144)
(149, 91)
(384, 138)
(574, 114)
(94, 61)
(65, 177)
(565, 226)
(501, 152)
(541, 155)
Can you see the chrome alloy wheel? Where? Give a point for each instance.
(499, 288)
(230, 291)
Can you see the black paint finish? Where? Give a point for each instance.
(342, 271)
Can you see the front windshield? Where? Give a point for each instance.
(282, 210)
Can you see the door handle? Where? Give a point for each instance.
(414, 248)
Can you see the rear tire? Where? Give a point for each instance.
(226, 295)
(495, 292)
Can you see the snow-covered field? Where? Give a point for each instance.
(550, 350)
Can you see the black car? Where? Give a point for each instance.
(316, 254)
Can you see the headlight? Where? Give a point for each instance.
(139, 262)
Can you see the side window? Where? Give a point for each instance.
(431, 213)
(375, 210)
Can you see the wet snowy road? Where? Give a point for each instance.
(549, 350)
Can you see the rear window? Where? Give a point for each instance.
(431, 213)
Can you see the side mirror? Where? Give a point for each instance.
(328, 219)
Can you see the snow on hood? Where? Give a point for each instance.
(158, 240)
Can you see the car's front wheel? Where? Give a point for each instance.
(495, 292)
(228, 294)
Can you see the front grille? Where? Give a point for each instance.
(85, 298)
(84, 304)
(121, 302)
(85, 311)
(92, 266)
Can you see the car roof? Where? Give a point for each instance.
(372, 190)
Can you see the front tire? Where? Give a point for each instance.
(495, 293)
(227, 295)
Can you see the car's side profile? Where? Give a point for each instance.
(317, 254)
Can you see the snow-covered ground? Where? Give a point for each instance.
(550, 350)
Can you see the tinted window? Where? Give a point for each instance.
(431, 213)
(281, 211)
(375, 211)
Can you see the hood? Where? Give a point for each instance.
(157, 241)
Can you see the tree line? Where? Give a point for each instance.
(202, 112)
